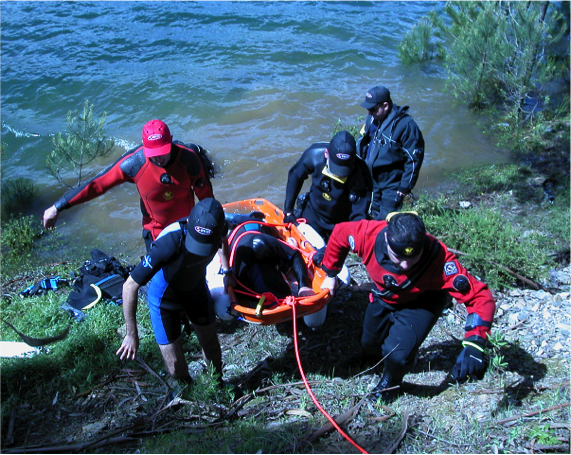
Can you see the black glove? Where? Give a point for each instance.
(318, 256)
(290, 219)
(470, 362)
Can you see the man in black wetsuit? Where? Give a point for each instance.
(175, 266)
(393, 148)
(340, 185)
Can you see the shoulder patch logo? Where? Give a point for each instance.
(147, 262)
(450, 268)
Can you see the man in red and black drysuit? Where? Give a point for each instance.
(414, 275)
(168, 176)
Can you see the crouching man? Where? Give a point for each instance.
(176, 268)
(414, 276)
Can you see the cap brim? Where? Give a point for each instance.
(368, 105)
(200, 249)
(164, 150)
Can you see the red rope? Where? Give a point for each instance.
(292, 303)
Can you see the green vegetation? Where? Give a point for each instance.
(496, 236)
(82, 144)
(498, 56)
(15, 193)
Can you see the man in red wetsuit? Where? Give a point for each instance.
(414, 275)
(168, 175)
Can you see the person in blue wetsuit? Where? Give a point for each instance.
(175, 266)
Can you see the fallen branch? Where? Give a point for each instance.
(151, 371)
(69, 448)
(531, 414)
(511, 272)
(37, 342)
(344, 418)
(240, 402)
(401, 435)
(103, 383)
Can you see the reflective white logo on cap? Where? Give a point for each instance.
(368, 95)
(343, 156)
(155, 137)
(202, 231)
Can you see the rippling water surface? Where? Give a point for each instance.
(254, 82)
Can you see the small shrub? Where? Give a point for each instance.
(485, 243)
(82, 144)
(20, 233)
(17, 194)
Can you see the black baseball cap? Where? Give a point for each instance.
(376, 95)
(342, 154)
(205, 228)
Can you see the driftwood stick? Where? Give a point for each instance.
(150, 370)
(511, 272)
(68, 448)
(531, 414)
(344, 418)
(402, 433)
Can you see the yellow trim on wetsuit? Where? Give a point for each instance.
(326, 172)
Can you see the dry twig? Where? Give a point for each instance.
(531, 414)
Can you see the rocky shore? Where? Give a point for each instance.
(540, 320)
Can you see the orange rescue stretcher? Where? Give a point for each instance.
(243, 307)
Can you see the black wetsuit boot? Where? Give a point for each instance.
(387, 382)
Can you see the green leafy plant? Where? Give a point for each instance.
(543, 435)
(497, 342)
(17, 194)
(83, 143)
(354, 129)
(19, 233)
(497, 56)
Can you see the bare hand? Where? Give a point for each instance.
(50, 217)
(329, 283)
(129, 347)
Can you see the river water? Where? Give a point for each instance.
(253, 82)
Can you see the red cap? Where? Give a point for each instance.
(157, 138)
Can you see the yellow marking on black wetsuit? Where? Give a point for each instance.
(326, 172)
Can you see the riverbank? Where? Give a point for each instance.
(78, 397)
